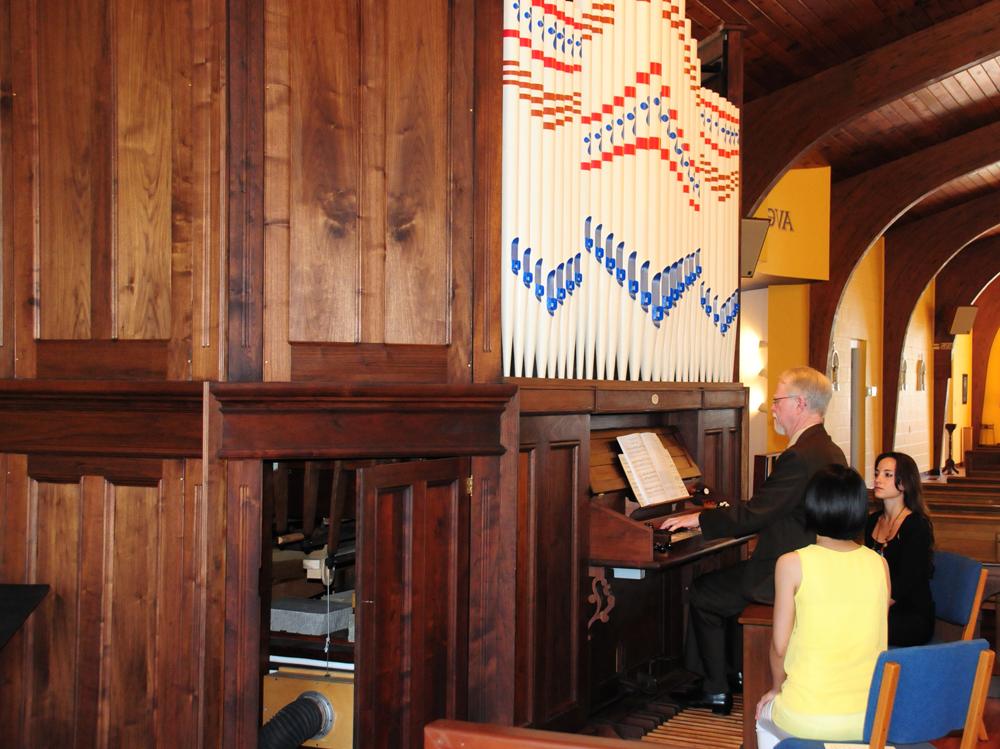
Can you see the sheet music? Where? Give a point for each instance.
(650, 470)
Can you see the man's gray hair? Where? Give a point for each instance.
(812, 385)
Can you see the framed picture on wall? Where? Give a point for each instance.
(965, 389)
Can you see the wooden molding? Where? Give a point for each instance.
(300, 421)
(139, 420)
(914, 254)
(807, 110)
(861, 210)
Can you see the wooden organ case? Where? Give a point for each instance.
(573, 642)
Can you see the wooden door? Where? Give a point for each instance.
(552, 477)
(413, 600)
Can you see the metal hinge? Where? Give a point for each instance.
(468, 486)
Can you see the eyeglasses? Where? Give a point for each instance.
(783, 397)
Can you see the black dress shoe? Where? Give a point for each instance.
(720, 704)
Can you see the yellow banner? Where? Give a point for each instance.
(798, 236)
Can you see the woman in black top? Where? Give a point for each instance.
(903, 534)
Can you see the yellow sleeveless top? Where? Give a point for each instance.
(841, 610)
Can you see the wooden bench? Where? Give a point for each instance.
(756, 620)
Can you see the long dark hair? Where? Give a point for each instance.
(907, 478)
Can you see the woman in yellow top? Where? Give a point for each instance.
(830, 607)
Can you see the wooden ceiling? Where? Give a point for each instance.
(791, 43)
(790, 40)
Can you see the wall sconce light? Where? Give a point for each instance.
(835, 370)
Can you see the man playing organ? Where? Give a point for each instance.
(776, 514)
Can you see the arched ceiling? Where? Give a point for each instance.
(901, 99)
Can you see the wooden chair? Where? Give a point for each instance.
(923, 693)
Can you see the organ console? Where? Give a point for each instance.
(626, 621)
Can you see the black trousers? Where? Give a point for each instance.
(711, 646)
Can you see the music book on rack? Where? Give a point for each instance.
(650, 470)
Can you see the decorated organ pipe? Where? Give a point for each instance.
(619, 207)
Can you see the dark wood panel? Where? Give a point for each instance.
(6, 198)
(116, 470)
(245, 185)
(552, 496)
(142, 245)
(55, 514)
(493, 579)
(15, 666)
(413, 585)
(325, 135)
(418, 254)
(112, 360)
(72, 141)
(242, 667)
(369, 362)
(312, 421)
(88, 418)
(118, 632)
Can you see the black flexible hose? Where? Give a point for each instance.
(296, 722)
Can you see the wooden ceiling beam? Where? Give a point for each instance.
(961, 280)
(780, 127)
(914, 254)
(861, 209)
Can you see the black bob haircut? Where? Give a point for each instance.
(836, 502)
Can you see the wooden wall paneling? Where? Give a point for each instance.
(206, 57)
(212, 602)
(375, 104)
(24, 154)
(245, 190)
(418, 282)
(369, 168)
(413, 586)
(487, 365)
(179, 641)
(277, 177)
(243, 482)
(56, 551)
(130, 589)
(141, 250)
(325, 171)
(459, 297)
(914, 254)
(493, 578)
(555, 452)
(861, 210)
(6, 197)
(804, 111)
(15, 666)
(73, 72)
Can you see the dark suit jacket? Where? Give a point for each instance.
(775, 512)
